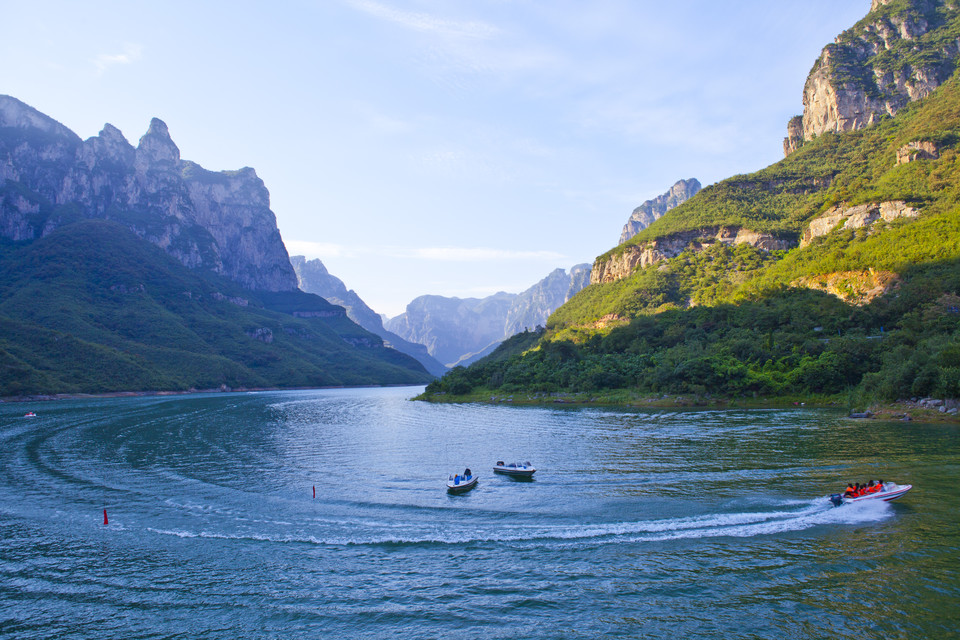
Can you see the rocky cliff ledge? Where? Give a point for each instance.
(220, 221)
(900, 52)
(622, 264)
(862, 215)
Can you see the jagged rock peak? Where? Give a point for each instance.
(305, 267)
(109, 147)
(900, 52)
(157, 145)
(111, 143)
(112, 135)
(644, 215)
(158, 128)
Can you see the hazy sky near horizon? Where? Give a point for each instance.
(444, 147)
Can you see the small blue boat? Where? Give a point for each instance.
(461, 483)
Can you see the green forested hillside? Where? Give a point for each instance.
(738, 320)
(93, 308)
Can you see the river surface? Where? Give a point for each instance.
(690, 524)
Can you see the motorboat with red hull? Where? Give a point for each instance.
(890, 491)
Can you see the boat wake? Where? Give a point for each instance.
(789, 517)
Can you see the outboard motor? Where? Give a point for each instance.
(836, 499)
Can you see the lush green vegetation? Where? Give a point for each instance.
(791, 342)
(92, 308)
(739, 322)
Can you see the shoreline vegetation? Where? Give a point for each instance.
(920, 410)
(925, 410)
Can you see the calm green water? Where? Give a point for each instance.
(683, 524)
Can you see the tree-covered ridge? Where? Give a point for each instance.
(852, 168)
(738, 321)
(788, 342)
(93, 308)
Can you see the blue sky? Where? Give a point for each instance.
(445, 147)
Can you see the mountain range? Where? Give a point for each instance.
(834, 272)
(461, 331)
(217, 226)
(458, 331)
(313, 277)
(128, 268)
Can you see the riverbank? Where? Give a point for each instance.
(907, 411)
(48, 397)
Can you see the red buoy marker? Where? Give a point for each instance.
(105, 521)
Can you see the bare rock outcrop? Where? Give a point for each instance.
(624, 262)
(861, 215)
(919, 150)
(854, 287)
(794, 139)
(889, 59)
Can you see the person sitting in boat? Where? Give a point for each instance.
(879, 486)
(466, 472)
(850, 492)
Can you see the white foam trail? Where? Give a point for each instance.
(737, 525)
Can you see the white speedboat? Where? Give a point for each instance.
(890, 491)
(461, 483)
(521, 469)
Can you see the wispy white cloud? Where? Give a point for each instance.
(131, 53)
(458, 50)
(425, 22)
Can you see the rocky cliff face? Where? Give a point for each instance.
(917, 150)
(220, 221)
(532, 307)
(644, 215)
(459, 331)
(862, 215)
(622, 264)
(902, 51)
(313, 277)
